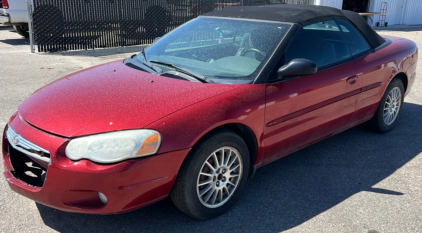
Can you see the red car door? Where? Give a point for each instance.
(301, 110)
(374, 75)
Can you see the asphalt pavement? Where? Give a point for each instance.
(355, 181)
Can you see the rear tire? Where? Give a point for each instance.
(22, 30)
(389, 109)
(213, 176)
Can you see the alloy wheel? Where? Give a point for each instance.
(392, 106)
(219, 177)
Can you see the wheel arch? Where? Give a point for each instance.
(403, 77)
(244, 132)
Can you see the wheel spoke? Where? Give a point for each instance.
(214, 196)
(205, 190)
(385, 113)
(388, 118)
(231, 161)
(220, 194)
(206, 174)
(227, 190)
(204, 182)
(214, 156)
(222, 157)
(210, 193)
(227, 158)
(388, 100)
(210, 166)
(235, 167)
(234, 175)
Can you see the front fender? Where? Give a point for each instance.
(184, 128)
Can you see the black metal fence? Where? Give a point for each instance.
(87, 24)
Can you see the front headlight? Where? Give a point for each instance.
(115, 146)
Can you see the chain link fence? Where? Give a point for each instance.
(60, 25)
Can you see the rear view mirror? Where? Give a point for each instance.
(297, 67)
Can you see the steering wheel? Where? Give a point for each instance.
(262, 54)
(254, 50)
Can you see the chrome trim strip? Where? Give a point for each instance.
(20, 144)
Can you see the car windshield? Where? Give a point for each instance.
(220, 49)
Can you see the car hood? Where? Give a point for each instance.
(110, 97)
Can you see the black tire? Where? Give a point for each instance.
(386, 24)
(22, 30)
(186, 190)
(378, 24)
(378, 122)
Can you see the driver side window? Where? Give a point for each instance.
(320, 41)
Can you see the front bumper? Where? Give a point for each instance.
(4, 18)
(74, 186)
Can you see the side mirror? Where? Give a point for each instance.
(157, 39)
(297, 67)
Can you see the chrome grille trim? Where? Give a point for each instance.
(23, 145)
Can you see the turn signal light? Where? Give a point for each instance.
(149, 145)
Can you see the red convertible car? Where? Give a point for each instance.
(194, 114)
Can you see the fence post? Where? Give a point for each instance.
(29, 5)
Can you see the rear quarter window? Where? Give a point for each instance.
(356, 41)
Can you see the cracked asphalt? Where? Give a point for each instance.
(355, 181)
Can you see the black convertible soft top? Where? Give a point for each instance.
(299, 14)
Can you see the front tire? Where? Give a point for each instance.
(213, 176)
(389, 109)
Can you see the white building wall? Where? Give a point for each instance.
(333, 3)
(393, 11)
(412, 12)
(399, 11)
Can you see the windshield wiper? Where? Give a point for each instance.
(200, 77)
(143, 54)
(137, 63)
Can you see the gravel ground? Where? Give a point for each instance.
(356, 181)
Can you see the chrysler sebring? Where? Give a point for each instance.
(193, 115)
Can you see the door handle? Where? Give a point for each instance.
(352, 79)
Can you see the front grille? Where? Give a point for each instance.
(26, 169)
(27, 147)
(29, 161)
